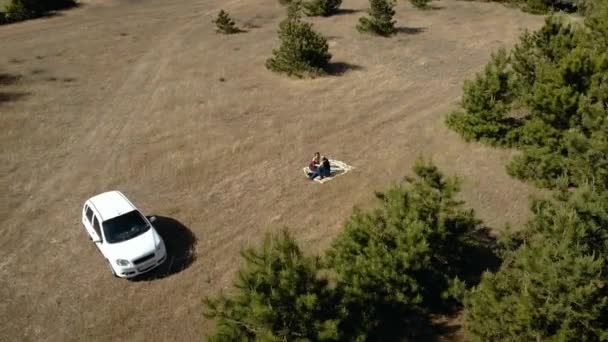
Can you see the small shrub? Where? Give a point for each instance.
(303, 52)
(321, 7)
(380, 21)
(225, 24)
(421, 4)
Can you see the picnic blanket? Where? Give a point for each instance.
(336, 168)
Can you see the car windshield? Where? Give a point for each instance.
(124, 227)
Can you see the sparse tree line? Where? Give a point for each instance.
(19, 10)
(421, 252)
(303, 51)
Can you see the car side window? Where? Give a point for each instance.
(89, 214)
(96, 227)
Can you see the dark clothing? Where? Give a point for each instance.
(325, 165)
(322, 171)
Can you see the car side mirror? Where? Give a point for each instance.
(152, 219)
(97, 240)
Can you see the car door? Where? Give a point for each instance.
(97, 233)
(87, 221)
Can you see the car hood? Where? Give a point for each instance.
(136, 247)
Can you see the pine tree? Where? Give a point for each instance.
(381, 21)
(553, 287)
(303, 52)
(485, 103)
(279, 297)
(225, 24)
(321, 7)
(394, 261)
(556, 78)
(546, 291)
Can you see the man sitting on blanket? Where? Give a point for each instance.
(322, 170)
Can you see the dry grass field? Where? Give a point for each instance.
(144, 97)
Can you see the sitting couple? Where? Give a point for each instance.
(319, 167)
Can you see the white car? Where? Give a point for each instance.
(125, 237)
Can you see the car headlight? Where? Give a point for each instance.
(122, 262)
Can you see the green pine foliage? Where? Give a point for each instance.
(546, 291)
(17, 11)
(279, 297)
(394, 261)
(549, 98)
(486, 103)
(322, 8)
(597, 23)
(303, 52)
(421, 4)
(554, 287)
(380, 20)
(579, 216)
(224, 24)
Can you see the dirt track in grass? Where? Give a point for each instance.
(144, 97)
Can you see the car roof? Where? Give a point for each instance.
(111, 204)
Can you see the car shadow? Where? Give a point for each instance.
(180, 243)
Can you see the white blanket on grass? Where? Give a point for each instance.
(336, 168)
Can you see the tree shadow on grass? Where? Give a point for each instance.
(431, 8)
(345, 11)
(480, 257)
(180, 243)
(340, 68)
(410, 30)
(395, 326)
(8, 79)
(10, 96)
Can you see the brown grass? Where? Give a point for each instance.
(127, 95)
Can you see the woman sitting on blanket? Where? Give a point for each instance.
(314, 163)
(322, 170)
